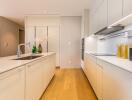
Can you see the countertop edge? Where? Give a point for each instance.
(28, 62)
(110, 62)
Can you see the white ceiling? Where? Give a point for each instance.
(17, 9)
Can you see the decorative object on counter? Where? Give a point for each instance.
(126, 51)
(122, 51)
(40, 49)
(119, 50)
(34, 49)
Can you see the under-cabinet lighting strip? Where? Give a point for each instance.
(125, 34)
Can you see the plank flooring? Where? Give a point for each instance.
(69, 84)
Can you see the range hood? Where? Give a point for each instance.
(110, 29)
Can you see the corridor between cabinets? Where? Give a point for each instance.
(69, 84)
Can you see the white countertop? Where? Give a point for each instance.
(7, 63)
(118, 62)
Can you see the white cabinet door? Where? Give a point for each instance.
(85, 23)
(12, 84)
(91, 22)
(100, 82)
(117, 83)
(127, 7)
(114, 11)
(102, 15)
(95, 4)
(30, 37)
(48, 70)
(54, 42)
(92, 71)
(34, 83)
(41, 37)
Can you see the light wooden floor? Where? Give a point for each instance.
(69, 84)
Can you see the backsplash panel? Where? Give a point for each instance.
(108, 46)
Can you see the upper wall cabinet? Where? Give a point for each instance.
(114, 10)
(102, 15)
(127, 7)
(85, 23)
(98, 17)
(92, 23)
(95, 4)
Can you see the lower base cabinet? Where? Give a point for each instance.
(94, 73)
(34, 86)
(99, 82)
(117, 84)
(12, 84)
(38, 76)
(27, 82)
(108, 81)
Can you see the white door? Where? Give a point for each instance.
(12, 84)
(41, 37)
(54, 41)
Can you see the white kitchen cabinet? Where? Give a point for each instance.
(91, 22)
(91, 71)
(93, 27)
(117, 83)
(95, 4)
(47, 29)
(114, 11)
(54, 42)
(98, 18)
(48, 70)
(85, 23)
(41, 37)
(99, 80)
(34, 83)
(127, 7)
(29, 37)
(102, 15)
(12, 84)
(38, 75)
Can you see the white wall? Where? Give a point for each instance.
(70, 39)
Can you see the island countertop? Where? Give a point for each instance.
(8, 63)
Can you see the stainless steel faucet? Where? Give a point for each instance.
(19, 52)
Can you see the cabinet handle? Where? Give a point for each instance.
(8, 73)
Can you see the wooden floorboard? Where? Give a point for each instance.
(69, 84)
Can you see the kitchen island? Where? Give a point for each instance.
(25, 79)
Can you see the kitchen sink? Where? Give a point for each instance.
(27, 58)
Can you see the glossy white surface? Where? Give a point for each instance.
(7, 63)
(119, 62)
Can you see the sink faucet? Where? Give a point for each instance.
(19, 52)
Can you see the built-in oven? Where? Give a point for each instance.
(83, 47)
